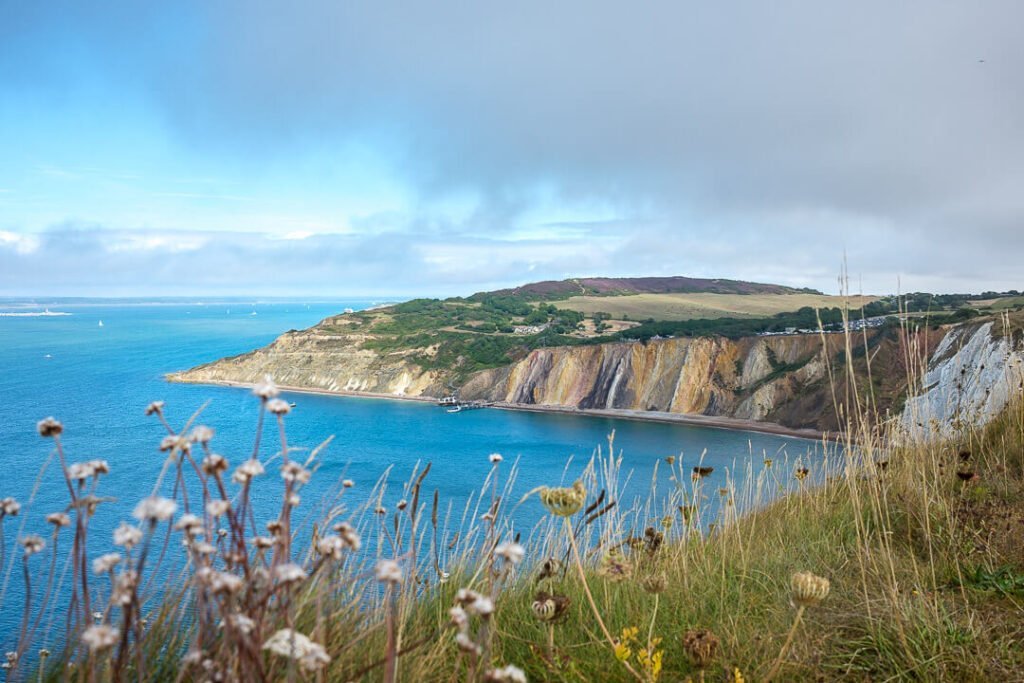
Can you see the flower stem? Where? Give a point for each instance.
(785, 646)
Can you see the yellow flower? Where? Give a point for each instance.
(622, 651)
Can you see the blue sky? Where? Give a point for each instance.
(440, 148)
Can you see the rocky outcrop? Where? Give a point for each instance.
(971, 377)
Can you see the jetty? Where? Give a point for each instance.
(454, 405)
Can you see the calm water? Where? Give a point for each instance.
(98, 380)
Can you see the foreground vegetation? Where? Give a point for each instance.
(894, 559)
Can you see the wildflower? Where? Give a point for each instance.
(173, 442)
(483, 606)
(266, 389)
(295, 472)
(671, 460)
(511, 552)
(201, 434)
(49, 428)
(156, 407)
(807, 589)
(216, 508)
(549, 569)
(241, 623)
(290, 573)
(100, 637)
(768, 462)
(402, 504)
(105, 563)
(289, 643)
(564, 502)
(495, 458)
(348, 483)
(155, 509)
(466, 644)
(127, 535)
(650, 659)
(278, 406)
(9, 507)
(32, 544)
(388, 571)
(548, 607)
(506, 674)
(58, 519)
(188, 523)
(124, 588)
(263, 542)
(701, 472)
(214, 464)
(801, 473)
(203, 548)
(700, 647)
(223, 583)
(331, 546)
(459, 618)
(655, 583)
(294, 500)
(275, 527)
(244, 473)
(614, 568)
(78, 471)
(349, 535)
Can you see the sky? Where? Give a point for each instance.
(435, 148)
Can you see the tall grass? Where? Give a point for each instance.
(897, 557)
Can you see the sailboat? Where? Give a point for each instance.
(101, 323)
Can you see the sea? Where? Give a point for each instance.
(97, 367)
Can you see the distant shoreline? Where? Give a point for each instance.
(715, 422)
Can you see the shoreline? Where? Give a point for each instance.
(714, 422)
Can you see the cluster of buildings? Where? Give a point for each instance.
(852, 325)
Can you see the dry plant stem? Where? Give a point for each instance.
(391, 654)
(785, 646)
(590, 597)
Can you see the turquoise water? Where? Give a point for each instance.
(98, 380)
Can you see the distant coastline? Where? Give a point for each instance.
(714, 422)
(36, 314)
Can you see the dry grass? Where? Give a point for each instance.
(919, 541)
(702, 305)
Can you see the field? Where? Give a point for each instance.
(705, 305)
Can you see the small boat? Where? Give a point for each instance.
(101, 323)
(456, 409)
(291, 405)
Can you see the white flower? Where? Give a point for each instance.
(289, 573)
(214, 463)
(506, 674)
(278, 406)
(349, 535)
(348, 483)
(241, 623)
(78, 471)
(155, 509)
(32, 544)
(173, 441)
(49, 427)
(224, 582)
(216, 508)
(58, 519)
(512, 552)
(482, 606)
(246, 471)
(263, 542)
(266, 389)
(293, 471)
(201, 434)
(294, 645)
(459, 617)
(105, 563)
(203, 548)
(9, 506)
(127, 535)
(189, 523)
(495, 458)
(124, 588)
(466, 644)
(100, 637)
(388, 571)
(155, 407)
(331, 546)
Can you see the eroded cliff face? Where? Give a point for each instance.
(754, 378)
(971, 376)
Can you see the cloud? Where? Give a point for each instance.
(741, 139)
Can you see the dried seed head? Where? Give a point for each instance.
(32, 544)
(201, 434)
(807, 589)
(349, 535)
(278, 406)
(155, 408)
(49, 428)
(263, 542)
(614, 567)
(511, 552)
(700, 647)
(655, 583)
(459, 618)
(388, 571)
(9, 507)
(105, 563)
(214, 464)
(550, 608)
(244, 473)
(266, 389)
(466, 644)
(127, 535)
(189, 523)
(495, 458)
(155, 509)
(58, 519)
(289, 573)
(100, 637)
(173, 442)
(295, 472)
(348, 483)
(217, 508)
(506, 674)
(564, 502)
(289, 643)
